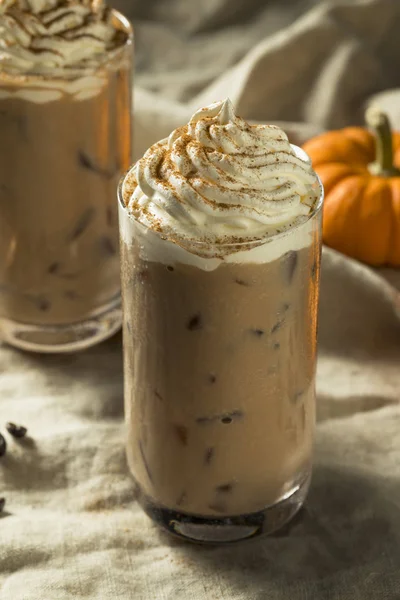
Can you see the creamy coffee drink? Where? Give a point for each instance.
(220, 239)
(65, 96)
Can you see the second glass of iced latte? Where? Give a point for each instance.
(220, 249)
(65, 121)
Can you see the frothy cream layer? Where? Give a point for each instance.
(43, 91)
(220, 181)
(156, 248)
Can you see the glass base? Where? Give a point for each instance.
(226, 530)
(101, 324)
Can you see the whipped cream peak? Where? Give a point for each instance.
(220, 180)
(223, 111)
(40, 35)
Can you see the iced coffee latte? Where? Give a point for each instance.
(220, 240)
(65, 81)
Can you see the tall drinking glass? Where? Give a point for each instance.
(65, 141)
(219, 359)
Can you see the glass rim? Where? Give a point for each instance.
(73, 73)
(187, 241)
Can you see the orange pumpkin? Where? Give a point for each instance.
(360, 171)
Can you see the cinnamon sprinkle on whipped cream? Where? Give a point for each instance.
(220, 180)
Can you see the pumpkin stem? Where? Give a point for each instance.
(380, 125)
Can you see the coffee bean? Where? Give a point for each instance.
(82, 224)
(85, 161)
(225, 418)
(88, 163)
(277, 325)
(291, 260)
(17, 431)
(54, 268)
(258, 332)
(242, 282)
(169, 268)
(41, 303)
(203, 420)
(181, 433)
(195, 323)
(2, 504)
(225, 488)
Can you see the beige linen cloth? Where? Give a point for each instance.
(71, 528)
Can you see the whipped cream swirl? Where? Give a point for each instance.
(221, 180)
(38, 35)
